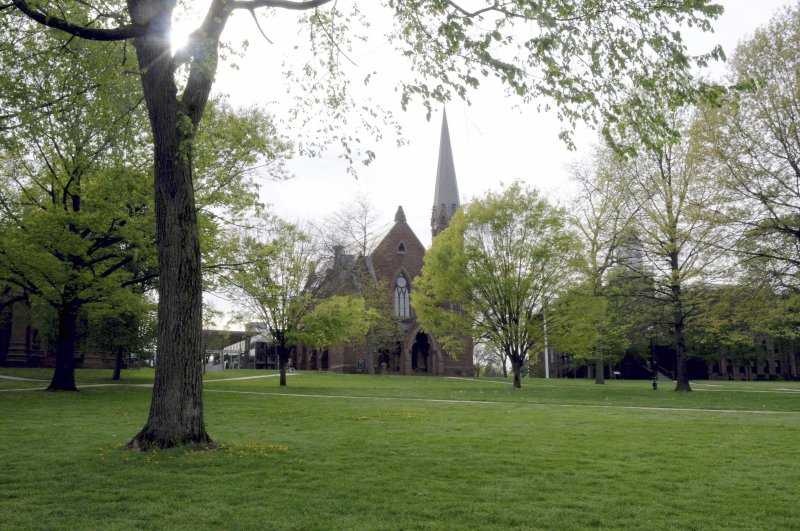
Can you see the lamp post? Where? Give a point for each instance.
(546, 347)
(653, 360)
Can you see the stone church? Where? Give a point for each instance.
(396, 261)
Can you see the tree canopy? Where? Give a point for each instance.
(755, 146)
(77, 224)
(75, 192)
(586, 58)
(494, 271)
(590, 324)
(281, 283)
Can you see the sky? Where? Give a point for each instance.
(494, 141)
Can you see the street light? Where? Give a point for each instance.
(546, 347)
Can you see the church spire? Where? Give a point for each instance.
(445, 197)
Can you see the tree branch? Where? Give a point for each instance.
(139, 280)
(281, 4)
(112, 34)
(203, 49)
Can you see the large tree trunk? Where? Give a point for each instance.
(516, 368)
(283, 360)
(678, 317)
(176, 410)
(599, 369)
(64, 375)
(118, 359)
(682, 377)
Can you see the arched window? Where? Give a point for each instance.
(401, 300)
(401, 249)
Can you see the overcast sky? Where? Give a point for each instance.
(493, 141)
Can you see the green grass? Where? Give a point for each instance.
(358, 452)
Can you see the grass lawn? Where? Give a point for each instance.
(358, 452)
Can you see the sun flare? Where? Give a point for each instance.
(179, 36)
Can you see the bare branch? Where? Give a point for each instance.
(258, 25)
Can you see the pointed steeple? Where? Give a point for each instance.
(445, 197)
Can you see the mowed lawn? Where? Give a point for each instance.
(384, 452)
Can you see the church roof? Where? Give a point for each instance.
(446, 185)
(399, 250)
(400, 230)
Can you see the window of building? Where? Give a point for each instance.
(401, 299)
(401, 249)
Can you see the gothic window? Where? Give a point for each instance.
(401, 249)
(401, 300)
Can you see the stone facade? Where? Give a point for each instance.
(22, 344)
(775, 360)
(19, 337)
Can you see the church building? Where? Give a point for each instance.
(396, 262)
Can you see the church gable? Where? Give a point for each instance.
(400, 251)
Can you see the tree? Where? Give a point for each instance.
(494, 271)
(384, 331)
(71, 142)
(756, 147)
(489, 361)
(74, 195)
(730, 320)
(234, 149)
(733, 321)
(77, 209)
(600, 214)
(75, 246)
(279, 283)
(350, 229)
(123, 331)
(590, 326)
(673, 240)
(584, 57)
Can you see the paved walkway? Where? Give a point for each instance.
(505, 403)
(441, 400)
(476, 380)
(19, 379)
(112, 384)
(247, 377)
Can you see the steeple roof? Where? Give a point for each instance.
(445, 197)
(446, 185)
